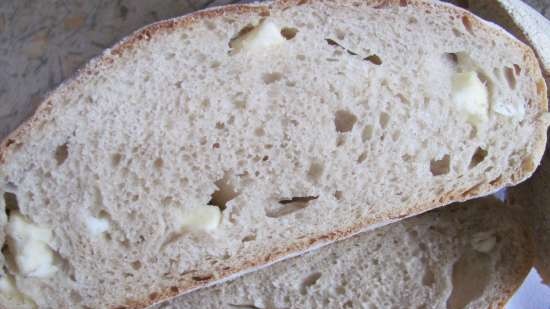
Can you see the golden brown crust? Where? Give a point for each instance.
(105, 60)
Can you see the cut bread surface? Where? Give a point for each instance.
(471, 255)
(209, 145)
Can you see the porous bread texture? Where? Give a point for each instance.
(471, 255)
(346, 125)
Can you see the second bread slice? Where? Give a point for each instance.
(471, 255)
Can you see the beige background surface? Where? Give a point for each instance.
(44, 42)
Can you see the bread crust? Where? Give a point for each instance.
(109, 56)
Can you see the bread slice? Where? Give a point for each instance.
(533, 197)
(471, 255)
(206, 146)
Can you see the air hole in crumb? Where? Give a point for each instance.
(220, 125)
(246, 29)
(510, 77)
(249, 238)
(136, 265)
(517, 69)
(344, 121)
(428, 279)
(374, 59)
(61, 153)
(244, 306)
(259, 132)
(406, 157)
(440, 167)
(471, 275)
(239, 103)
(166, 201)
(315, 171)
(403, 99)
(225, 193)
(270, 78)
(202, 278)
(332, 42)
(478, 157)
(367, 133)
(467, 24)
(75, 296)
(395, 136)
(309, 281)
(286, 207)
(496, 181)
(384, 119)
(472, 191)
(289, 33)
(340, 140)
(216, 145)
(115, 159)
(301, 57)
(10, 201)
(451, 58)
(338, 194)
(362, 157)
(103, 214)
(159, 163)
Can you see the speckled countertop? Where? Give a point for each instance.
(44, 42)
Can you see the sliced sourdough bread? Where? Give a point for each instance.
(206, 146)
(471, 255)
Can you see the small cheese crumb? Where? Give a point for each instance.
(509, 109)
(33, 256)
(266, 34)
(206, 218)
(470, 97)
(96, 226)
